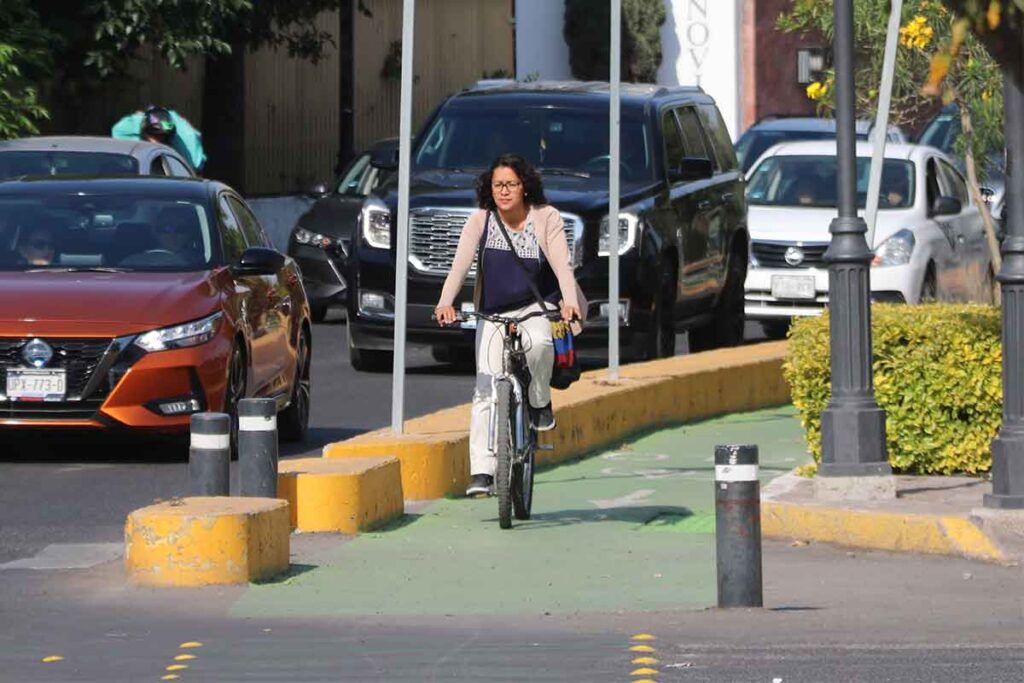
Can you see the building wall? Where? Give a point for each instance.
(542, 49)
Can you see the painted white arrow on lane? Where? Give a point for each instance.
(625, 501)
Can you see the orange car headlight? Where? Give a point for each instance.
(181, 336)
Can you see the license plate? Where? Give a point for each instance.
(29, 384)
(467, 308)
(793, 287)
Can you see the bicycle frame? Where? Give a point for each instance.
(512, 354)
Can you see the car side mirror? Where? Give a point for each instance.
(947, 206)
(385, 159)
(318, 191)
(259, 261)
(694, 168)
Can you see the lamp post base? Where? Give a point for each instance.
(853, 439)
(1007, 471)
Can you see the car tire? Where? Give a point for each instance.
(368, 360)
(293, 422)
(661, 336)
(775, 329)
(318, 313)
(929, 288)
(238, 372)
(727, 327)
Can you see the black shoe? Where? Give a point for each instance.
(480, 485)
(543, 418)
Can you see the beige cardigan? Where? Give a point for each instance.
(550, 230)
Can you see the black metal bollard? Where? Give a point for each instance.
(257, 447)
(738, 526)
(209, 455)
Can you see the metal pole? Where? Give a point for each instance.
(209, 455)
(257, 447)
(1008, 446)
(402, 226)
(882, 120)
(853, 425)
(615, 76)
(738, 527)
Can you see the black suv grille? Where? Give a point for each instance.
(79, 357)
(773, 254)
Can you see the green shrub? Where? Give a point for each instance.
(587, 32)
(937, 373)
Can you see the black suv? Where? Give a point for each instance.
(682, 225)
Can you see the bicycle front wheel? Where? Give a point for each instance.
(522, 486)
(504, 447)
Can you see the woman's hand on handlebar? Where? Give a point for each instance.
(570, 313)
(445, 315)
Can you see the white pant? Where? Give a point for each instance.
(540, 350)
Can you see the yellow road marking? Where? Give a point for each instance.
(176, 667)
(169, 677)
(184, 658)
(52, 658)
(645, 671)
(643, 636)
(645, 680)
(641, 648)
(190, 644)
(644, 660)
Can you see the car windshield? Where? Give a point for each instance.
(557, 140)
(810, 181)
(88, 231)
(15, 164)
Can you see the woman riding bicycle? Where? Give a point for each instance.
(511, 191)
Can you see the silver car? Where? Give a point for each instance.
(81, 155)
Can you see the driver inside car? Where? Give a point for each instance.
(175, 231)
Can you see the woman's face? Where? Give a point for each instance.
(507, 189)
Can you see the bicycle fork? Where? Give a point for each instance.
(520, 418)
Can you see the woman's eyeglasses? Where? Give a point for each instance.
(506, 186)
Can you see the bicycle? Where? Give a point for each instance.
(511, 435)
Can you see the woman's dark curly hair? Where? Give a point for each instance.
(533, 186)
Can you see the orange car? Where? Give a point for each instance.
(135, 302)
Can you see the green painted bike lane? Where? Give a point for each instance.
(628, 529)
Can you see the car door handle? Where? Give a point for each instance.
(727, 198)
(704, 205)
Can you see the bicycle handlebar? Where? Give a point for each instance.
(502, 320)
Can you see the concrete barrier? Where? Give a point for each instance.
(593, 413)
(207, 540)
(341, 495)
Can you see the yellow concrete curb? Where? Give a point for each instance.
(203, 541)
(877, 530)
(341, 495)
(434, 451)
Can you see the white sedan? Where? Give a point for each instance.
(929, 240)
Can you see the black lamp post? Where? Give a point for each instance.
(1008, 446)
(853, 425)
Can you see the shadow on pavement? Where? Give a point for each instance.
(633, 515)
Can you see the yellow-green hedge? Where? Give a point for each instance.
(937, 372)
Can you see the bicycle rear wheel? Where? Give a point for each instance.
(522, 486)
(503, 447)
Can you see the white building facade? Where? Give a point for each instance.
(701, 44)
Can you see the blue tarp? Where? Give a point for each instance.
(187, 140)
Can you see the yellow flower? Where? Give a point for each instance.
(994, 15)
(986, 95)
(917, 33)
(815, 91)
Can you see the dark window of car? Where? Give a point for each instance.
(49, 163)
(105, 228)
(353, 182)
(754, 143)
(254, 234)
(932, 183)
(157, 167)
(177, 169)
(952, 183)
(810, 181)
(557, 140)
(694, 142)
(716, 128)
(232, 236)
(674, 151)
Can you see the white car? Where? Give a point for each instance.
(929, 240)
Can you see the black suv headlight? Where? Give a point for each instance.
(628, 228)
(375, 224)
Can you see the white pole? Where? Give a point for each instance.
(613, 190)
(402, 230)
(882, 121)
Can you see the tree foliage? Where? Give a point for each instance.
(587, 31)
